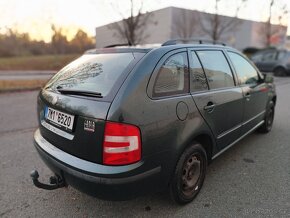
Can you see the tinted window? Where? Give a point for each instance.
(257, 57)
(198, 80)
(247, 74)
(217, 69)
(269, 56)
(92, 72)
(172, 77)
(281, 55)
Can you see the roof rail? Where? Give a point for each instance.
(116, 45)
(189, 40)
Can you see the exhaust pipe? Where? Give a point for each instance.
(55, 182)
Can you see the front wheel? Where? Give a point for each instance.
(189, 174)
(279, 71)
(268, 120)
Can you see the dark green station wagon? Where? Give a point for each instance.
(124, 121)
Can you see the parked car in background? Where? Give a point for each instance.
(273, 60)
(120, 122)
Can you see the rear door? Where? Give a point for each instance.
(172, 109)
(255, 91)
(219, 100)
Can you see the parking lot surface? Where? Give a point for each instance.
(249, 180)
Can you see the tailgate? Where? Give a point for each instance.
(82, 128)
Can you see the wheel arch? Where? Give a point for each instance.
(274, 99)
(279, 67)
(207, 143)
(205, 139)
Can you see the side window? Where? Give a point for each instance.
(269, 56)
(172, 77)
(281, 55)
(257, 57)
(216, 68)
(247, 74)
(197, 77)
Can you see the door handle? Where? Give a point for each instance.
(209, 107)
(247, 96)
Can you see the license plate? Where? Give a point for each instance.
(59, 118)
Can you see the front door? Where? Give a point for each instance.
(254, 90)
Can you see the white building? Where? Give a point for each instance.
(287, 44)
(173, 23)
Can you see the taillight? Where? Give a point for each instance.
(122, 144)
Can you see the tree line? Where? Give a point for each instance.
(13, 43)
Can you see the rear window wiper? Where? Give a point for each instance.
(79, 92)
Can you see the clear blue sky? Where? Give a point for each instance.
(36, 16)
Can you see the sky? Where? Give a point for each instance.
(37, 16)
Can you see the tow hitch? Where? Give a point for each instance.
(55, 182)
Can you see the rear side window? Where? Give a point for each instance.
(247, 74)
(281, 55)
(197, 77)
(216, 68)
(269, 56)
(172, 78)
(92, 72)
(257, 57)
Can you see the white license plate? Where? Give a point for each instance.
(59, 118)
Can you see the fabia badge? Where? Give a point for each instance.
(89, 126)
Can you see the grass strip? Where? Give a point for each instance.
(20, 85)
(42, 62)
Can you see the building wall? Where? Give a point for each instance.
(287, 43)
(157, 30)
(258, 35)
(184, 23)
(239, 36)
(172, 23)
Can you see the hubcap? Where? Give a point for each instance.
(190, 175)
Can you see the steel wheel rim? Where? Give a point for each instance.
(270, 118)
(191, 172)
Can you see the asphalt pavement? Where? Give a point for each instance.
(249, 180)
(25, 75)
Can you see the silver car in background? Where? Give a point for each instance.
(273, 60)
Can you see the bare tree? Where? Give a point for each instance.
(59, 40)
(185, 25)
(267, 30)
(214, 25)
(132, 29)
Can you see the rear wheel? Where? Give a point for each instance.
(189, 174)
(279, 71)
(268, 120)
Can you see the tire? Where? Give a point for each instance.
(279, 71)
(189, 174)
(269, 118)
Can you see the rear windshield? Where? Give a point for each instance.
(92, 72)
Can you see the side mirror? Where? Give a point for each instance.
(268, 78)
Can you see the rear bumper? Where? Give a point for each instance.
(106, 182)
